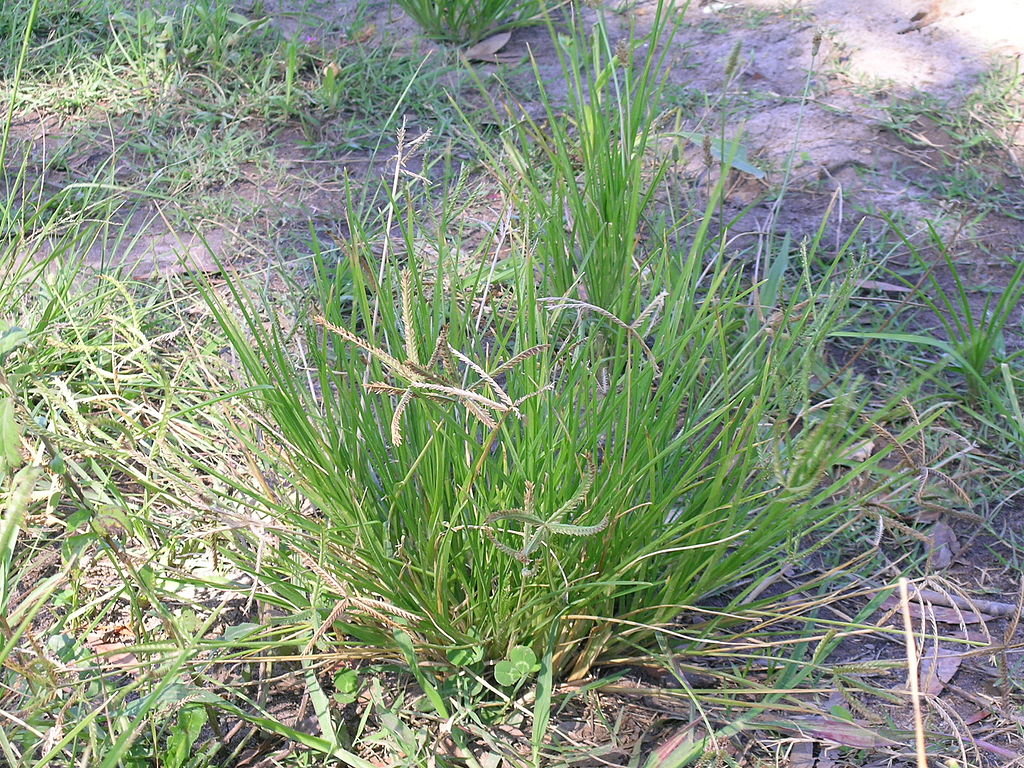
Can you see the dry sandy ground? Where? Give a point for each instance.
(860, 133)
(875, 58)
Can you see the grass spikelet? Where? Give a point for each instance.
(396, 419)
(519, 358)
(408, 327)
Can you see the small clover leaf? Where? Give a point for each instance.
(520, 664)
(346, 686)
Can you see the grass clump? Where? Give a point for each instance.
(467, 21)
(561, 472)
(564, 468)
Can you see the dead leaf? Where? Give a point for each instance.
(841, 732)
(923, 18)
(663, 752)
(487, 49)
(880, 285)
(845, 733)
(937, 668)
(861, 452)
(801, 755)
(943, 544)
(111, 645)
(115, 656)
(938, 613)
(808, 754)
(975, 717)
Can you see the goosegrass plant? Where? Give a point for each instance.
(973, 337)
(536, 469)
(494, 484)
(468, 21)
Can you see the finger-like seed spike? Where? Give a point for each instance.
(396, 420)
(407, 319)
(439, 346)
(460, 394)
(395, 365)
(651, 310)
(517, 359)
(554, 303)
(581, 492)
(498, 391)
(412, 145)
(447, 363)
(381, 388)
(481, 415)
(733, 62)
(541, 391)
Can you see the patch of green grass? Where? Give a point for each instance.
(88, 395)
(61, 32)
(358, 94)
(209, 59)
(86, 54)
(86, 374)
(986, 376)
(199, 92)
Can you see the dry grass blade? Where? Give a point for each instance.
(917, 460)
(920, 750)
